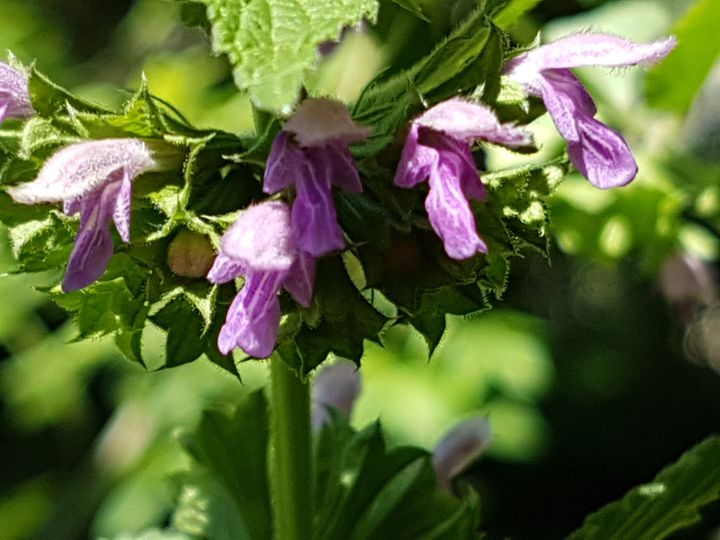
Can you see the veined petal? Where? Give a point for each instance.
(283, 164)
(335, 162)
(14, 95)
(78, 169)
(225, 269)
(318, 121)
(591, 49)
(254, 316)
(468, 121)
(121, 210)
(599, 153)
(300, 280)
(458, 154)
(450, 214)
(314, 220)
(93, 246)
(261, 238)
(416, 161)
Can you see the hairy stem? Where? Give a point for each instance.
(291, 453)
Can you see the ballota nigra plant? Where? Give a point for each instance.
(366, 216)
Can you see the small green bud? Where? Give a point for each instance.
(190, 254)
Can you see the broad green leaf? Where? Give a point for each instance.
(42, 244)
(184, 326)
(233, 449)
(272, 44)
(670, 503)
(674, 83)
(364, 490)
(512, 11)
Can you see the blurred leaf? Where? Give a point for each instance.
(413, 6)
(272, 44)
(668, 504)
(364, 490)
(234, 451)
(512, 11)
(674, 83)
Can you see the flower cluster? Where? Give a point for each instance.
(274, 245)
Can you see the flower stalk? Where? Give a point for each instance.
(290, 453)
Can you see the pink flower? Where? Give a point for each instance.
(599, 153)
(438, 148)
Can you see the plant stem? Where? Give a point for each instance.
(290, 453)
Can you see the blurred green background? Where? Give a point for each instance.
(580, 368)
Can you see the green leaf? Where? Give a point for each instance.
(413, 6)
(272, 44)
(512, 11)
(347, 318)
(469, 57)
(670, 503)
(49, 99)
(42, 244)
(233, 449)
(674, 83)
(364, 490)
(185, 327)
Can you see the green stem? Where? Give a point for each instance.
(291, 453)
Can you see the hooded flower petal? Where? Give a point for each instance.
(336, 386)
(14, 95)
(261, 238)
(438, 147)
(300, 281)
(260, 245)
(318, 121)
(450, 214)
(591, 49)
(598, 152)
(467, 121)
(416, 161)
(462, 445)
(254, 316)
(312, 152)
(283, 163)
(225, 269)
(78, 169)
(93, 245)
(314, 220)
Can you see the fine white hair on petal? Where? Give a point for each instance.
(261, 238)
(78, 169)
(588, 49)
(318, 121)
(467, 121)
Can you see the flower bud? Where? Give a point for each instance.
(190, 255)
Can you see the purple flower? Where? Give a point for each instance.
(599, 153)
(438, 147)
(14, 96)
(93, 179)
(462, 445)
(336, 386)
(261, 246)
(312, 151)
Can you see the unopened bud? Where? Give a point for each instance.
(190, 255)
